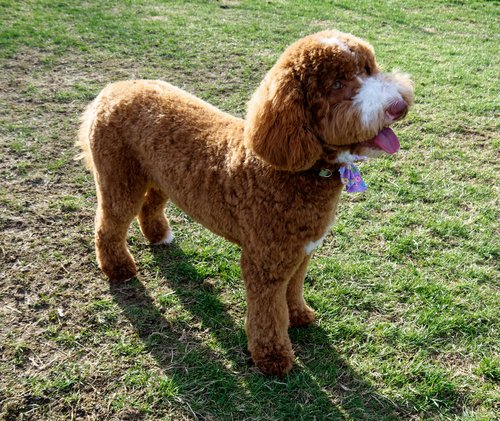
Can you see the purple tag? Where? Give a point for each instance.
(351, 178)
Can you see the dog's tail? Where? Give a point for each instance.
(83, 142)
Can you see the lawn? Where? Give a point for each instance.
(405, 287)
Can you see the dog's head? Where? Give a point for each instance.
(325, 95)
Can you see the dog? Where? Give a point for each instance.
(269, 183)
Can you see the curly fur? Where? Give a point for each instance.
(253, 181)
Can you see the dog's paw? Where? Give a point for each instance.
(274, 363)
(120, 273)
(167, 240)
(301, 317)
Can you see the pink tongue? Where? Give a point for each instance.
(387, 141)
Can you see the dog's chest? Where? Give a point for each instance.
(323, 226)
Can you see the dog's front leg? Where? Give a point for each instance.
(299, 312)
(267, 316)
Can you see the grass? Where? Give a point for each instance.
(405, 287)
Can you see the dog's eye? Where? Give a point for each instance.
(338, 85)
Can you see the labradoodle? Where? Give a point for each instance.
(269, 183)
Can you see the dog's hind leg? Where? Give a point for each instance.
(152, 219)
(120, 195)
(299, 312)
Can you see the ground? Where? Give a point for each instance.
(405, 287)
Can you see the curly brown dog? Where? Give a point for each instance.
(269, 183)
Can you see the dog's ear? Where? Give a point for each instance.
(277, 127)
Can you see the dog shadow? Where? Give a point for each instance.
(321, 384)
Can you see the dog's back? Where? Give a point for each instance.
(155, 108)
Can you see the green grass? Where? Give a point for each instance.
(405, 288)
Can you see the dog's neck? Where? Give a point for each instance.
(327, 165)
